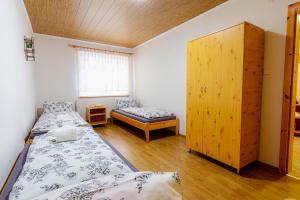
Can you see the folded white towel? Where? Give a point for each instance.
(63, 134)
(64, 117)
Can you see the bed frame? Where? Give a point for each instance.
(146, 126)
(12, 176)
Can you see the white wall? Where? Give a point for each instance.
(17, 102)
(56, 71)
(161, 63)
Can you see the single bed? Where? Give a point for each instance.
(53, 120)
(88, 168)
(56, 114)
(44, 165)
(140, 118)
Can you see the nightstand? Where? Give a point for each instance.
(96, 114)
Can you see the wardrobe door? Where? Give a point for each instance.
(195, 92)
(229, 78)
(210, 59)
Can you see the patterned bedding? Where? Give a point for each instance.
(147, 112)
(53, 120)
(139, 185)
(50, 166)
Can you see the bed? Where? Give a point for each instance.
(56, 114)
(87, 168)
(144, 118)
(52, 120)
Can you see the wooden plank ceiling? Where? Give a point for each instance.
(119, 22)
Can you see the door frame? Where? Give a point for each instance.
(289, 92)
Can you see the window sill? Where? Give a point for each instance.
(109, 96)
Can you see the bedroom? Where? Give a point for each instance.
(153, 37)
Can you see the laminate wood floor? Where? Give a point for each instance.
(296, 158)
(201, 177)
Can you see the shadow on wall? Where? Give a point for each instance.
(272, 97)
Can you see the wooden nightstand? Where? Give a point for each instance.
(96, 114)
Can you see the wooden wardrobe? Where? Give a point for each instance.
(224, 87)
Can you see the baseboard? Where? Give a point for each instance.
(293, 177)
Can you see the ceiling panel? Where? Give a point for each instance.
(119, 22)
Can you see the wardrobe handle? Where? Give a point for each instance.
(205, 89)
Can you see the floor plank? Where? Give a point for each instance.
(296, 158)
(201, 178)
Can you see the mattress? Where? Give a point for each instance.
(96, 158)
(142, 119)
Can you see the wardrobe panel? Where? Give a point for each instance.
(252, 92)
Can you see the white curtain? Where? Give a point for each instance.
(103, 73)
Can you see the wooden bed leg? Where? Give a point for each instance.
(177, 127)
(147, 136)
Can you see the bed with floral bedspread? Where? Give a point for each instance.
(144, 118)
(87, 168)
(50, 166)
(53, 120)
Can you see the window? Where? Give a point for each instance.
(103, 73)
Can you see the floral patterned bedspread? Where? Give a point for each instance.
(53, 120)
(128, 186)
(50, 166)
(148, 112)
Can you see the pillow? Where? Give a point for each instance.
(57, 106)
(126, 103)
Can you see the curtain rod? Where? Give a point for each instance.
(78, 47)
